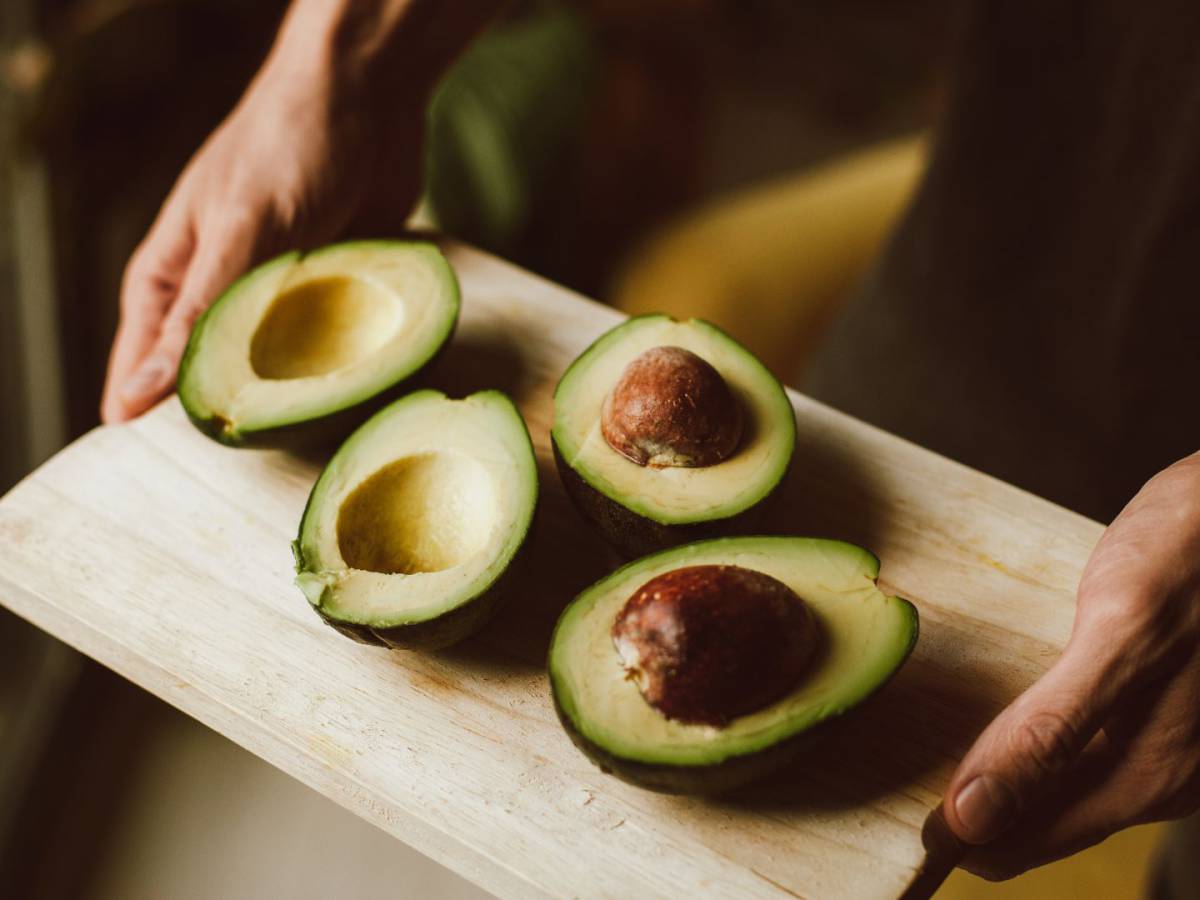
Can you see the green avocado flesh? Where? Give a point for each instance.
(417, 517)
(642, 508)
(864, 638)
(307, 336)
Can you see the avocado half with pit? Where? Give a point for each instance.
(706, 666)
(412, 531)
(303, 347)
(666, 431)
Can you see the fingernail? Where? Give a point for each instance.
(148, 378)
(985, 807)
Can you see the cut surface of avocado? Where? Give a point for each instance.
(674, 495)
(306, 336)
(416, 518)
(864, 638)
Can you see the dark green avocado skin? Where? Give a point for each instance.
(448, 628)
(320, 433)
(717, 778)
(633, 534)
(442, 632)
(710, 780)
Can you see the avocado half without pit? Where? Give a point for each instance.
(304, 346)
(666, 431)
(706, 666)
(416, 521)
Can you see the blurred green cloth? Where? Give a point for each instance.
(503, 117)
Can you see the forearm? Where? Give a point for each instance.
(377, 48)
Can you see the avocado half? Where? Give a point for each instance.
(639, 509)
(865, 636)
(416, 521)
(301, 348)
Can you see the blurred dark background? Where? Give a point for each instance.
(640, 152)
(652, 108)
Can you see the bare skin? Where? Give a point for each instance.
(1109, 737)
(326, 139)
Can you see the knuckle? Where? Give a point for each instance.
(1047, 740)
(144, 285)
(1137, 629)
(241, 218)
(285, 207)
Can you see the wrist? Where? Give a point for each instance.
(363, 51)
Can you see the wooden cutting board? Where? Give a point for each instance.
(165, 557)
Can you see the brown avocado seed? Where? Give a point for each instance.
(671, 408)
(706, 644)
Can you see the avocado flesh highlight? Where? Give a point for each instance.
(865, 637)
(305, 336)
(675, 495)
(418, 516)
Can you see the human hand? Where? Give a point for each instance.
(1110, 735)
(292, 165)
(327, 138)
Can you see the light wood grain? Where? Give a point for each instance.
(165, 556)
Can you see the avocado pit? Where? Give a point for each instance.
(706, 644)
(670, 407)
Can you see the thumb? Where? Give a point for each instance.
(1019, 757)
